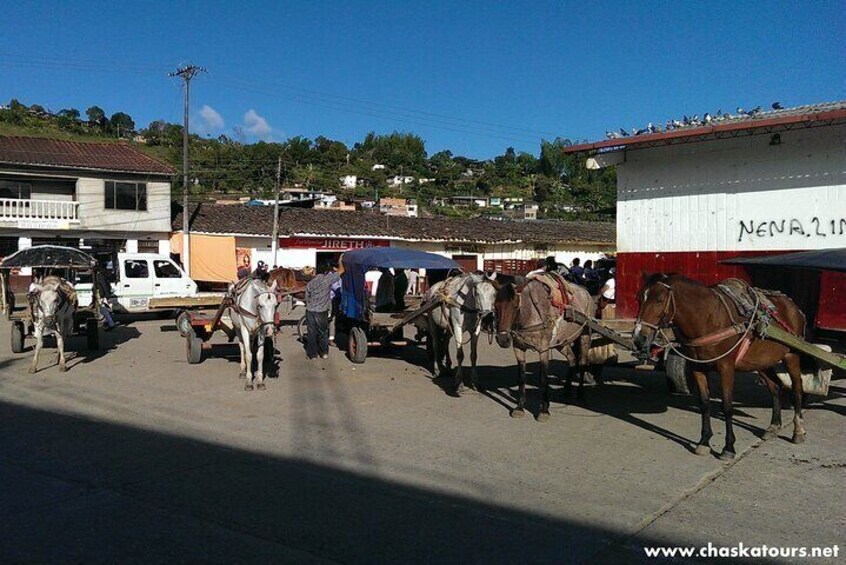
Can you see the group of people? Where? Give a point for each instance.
(586, 276)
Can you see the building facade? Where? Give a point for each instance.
(90, 195)
(689, 199)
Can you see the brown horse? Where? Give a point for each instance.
(528, 320)
(712, 333)
(288, 280)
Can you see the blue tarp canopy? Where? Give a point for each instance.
(359, 261)
(823, 259)
(396, 258)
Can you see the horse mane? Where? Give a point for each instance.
(506, 292)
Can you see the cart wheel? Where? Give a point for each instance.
(183, 324)
(302, 329)
(17, 337)
(194, 348)
(676, 369)
(357, 345)
(92, 331)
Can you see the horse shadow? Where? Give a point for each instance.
(626, 395)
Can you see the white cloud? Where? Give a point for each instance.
(210, 120)
(256, 125)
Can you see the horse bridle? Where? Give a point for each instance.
(664, 321)
(247, 314)
(35, 305)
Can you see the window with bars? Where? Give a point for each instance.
(126, 195)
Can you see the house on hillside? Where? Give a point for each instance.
(109, 196)
(398, 207)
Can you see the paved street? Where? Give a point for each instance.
(135, 456)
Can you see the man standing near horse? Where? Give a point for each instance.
(318, 295)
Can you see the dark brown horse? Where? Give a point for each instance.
(288, 280)
(528, 320)
(703, 319)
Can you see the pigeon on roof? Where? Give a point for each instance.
(612, 134)
(777, 106)
(707, 118)
(624, 133)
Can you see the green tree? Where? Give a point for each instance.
(121, 124)
(96, 115)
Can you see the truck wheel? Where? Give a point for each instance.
(676, 369)
(194, 348)
(183, 324)
(17, 337)
(92, 334)
(357, 345)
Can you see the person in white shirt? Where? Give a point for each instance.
(608, 293)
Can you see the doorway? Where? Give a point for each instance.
(468, 263)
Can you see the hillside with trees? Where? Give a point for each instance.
(225, 165)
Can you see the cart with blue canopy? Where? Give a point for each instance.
(357, 325)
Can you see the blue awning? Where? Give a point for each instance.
(823, 259)
(397, 258)
(359, 261)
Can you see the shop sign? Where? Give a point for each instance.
(330, 243)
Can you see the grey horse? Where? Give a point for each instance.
(467, 306)
(52, 303)
(529, 320)
(252, 311)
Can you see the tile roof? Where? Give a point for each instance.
(97, 156)
(768, 121)
(258, 220)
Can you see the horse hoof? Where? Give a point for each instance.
(261, 386)
(543, 417)
(517, 413)
(32, 370)
(248, 387)
(63, 369)
(769, 433)
(242, 375)
(726, 455)
(798, 438)
(702, 450)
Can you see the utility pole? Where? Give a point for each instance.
(274, 244)
(186, 73)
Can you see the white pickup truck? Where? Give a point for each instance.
(138, 277)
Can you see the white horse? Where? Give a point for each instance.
(467, 306)
(52, 303)
(252, 312)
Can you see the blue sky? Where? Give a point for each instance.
(474, 77)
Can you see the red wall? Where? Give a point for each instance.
(832, 313)
(704, 266)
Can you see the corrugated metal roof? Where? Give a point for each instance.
(771, 120)
(112, 157)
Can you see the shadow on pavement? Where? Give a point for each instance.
(78, 490)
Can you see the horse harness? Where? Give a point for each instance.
(737, 328)
(547, 323)
(244, 313)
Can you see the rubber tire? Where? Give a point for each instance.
(302, 330)
(194, 349)
(92, 334)
(183, 324)
(17, 337)
(676, 370)
(357, 345)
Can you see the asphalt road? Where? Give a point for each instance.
(135, 456)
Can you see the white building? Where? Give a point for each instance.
(317, 237)
(399, 180)
(349, 181)
(692, 197)
(103, 195)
